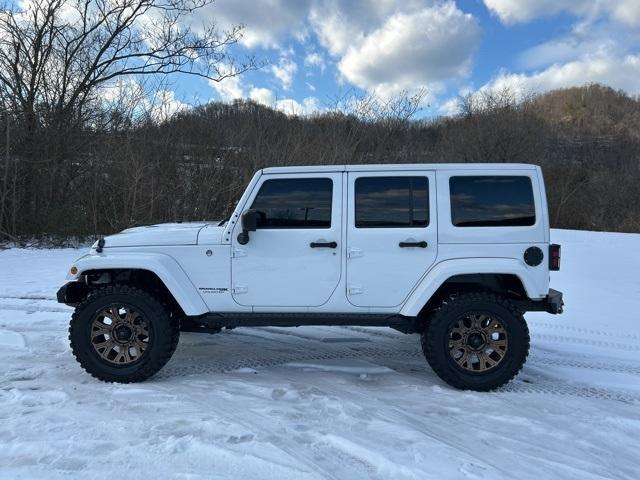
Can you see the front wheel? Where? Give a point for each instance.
(122, 334)
(476, 341)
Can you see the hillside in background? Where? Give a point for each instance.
(592, 109)
(120, 170)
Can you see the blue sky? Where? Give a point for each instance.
(317, 50)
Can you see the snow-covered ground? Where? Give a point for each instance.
(342, 403)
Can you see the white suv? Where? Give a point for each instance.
(454, 252)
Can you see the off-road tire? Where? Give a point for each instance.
(435, 341)
(163, 338)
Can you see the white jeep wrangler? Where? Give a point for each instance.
(454, 252)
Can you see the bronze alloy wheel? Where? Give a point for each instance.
(478, 342)
(120, 335)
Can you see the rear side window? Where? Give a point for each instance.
(294, 203)
(492, 201)
(392, 202)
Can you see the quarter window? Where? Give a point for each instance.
(392, 202)
(294, 203)
(491, 201)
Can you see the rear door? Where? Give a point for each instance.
(391, 235)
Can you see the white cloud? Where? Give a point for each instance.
(340, 24)
(121, 90)
(263, 96)
(382, 46)
(627, 11)
(450, 107)
(229, 88)
(315, 59)
(289, 106)
(619, 73)
(232, 88)
(284, 71)
(517, 11)
(423, 48)
(165, 104)
(563, 49)
(267, 24)
(132, 96)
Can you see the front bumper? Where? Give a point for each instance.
(552, 303)
(72, 293)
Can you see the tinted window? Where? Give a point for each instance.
(392, 202)
(491, 201)
(294, 203)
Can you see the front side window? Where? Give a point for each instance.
(392, 202)
(294, 203)
(492, 201)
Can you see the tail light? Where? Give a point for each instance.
(554, 257)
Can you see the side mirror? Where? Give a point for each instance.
(249, 222)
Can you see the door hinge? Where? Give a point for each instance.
(239, 289)
(239, 252)
(354, 252)
(355, 289)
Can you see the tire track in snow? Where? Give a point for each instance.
(234, 415)
(568, 362)
(279, 346)
(268, 359)
(188, 365)
(380, 348)
(587, 341)
(33, 304)
(443, 435)
(392, 414)
(585, 331)
(328, 451)
(29, 297)
(34, 308)
(550, 387)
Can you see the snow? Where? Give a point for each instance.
(320, 402)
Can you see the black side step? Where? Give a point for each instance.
(288, 319)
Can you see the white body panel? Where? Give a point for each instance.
(448, 233)
(163, 265)
(379, 272)
(278, 268)
(165, 234)
(211, 235)
(278, 271)
(459, 266)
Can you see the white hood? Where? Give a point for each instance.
(163, 234)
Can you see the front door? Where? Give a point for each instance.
(293, 258)
(391, 235)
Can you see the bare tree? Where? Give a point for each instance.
(57, 57)
(370, 107)
(56, 54)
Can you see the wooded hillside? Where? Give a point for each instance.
(116, 170)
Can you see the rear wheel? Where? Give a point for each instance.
(122, 334)
(477, 341)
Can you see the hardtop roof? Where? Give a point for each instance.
(399, 167)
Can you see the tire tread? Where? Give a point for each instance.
(430, 343)
(167, 329)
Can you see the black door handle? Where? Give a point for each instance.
(421, 244)
(323, 244)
